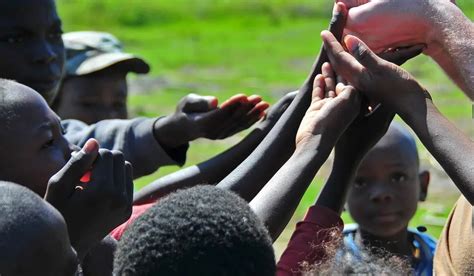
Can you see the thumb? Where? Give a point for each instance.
(196, 103)
(361, 51)
(68, 177)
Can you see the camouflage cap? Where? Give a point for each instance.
(88, 52)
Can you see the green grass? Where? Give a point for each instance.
(223, 47)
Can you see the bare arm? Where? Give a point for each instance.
(327, 117)
(250, 176)
(215, 169)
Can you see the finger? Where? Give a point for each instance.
(239, 98)
(102, 173)
(219, 123)
(341, 80)
(318, 88)
(342, 62)
(401, 55)
(246, 121)
(119, 170)
(361, 52)
(254, 99)
(329, 79)
(64, 181)
(129, 183)
(338, 20)
(196, 103)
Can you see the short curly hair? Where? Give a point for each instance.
(198, 231)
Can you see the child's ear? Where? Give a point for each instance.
(424, 177)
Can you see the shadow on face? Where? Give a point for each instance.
(31, 47)
(93, 97)
(388, 185)
(32, 144)
(34, 235)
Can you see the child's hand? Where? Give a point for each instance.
(200, 117)
(333, 108)
(380, 80)
(92, 209)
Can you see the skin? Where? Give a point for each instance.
(278, 145)
(438, 24)
(31, 48)
(215, 169)
(34, 143)
(94, 97)
(399, 91)
(325, 120)
(42, 246)
(386, 190)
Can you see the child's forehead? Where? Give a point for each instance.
(28, 13)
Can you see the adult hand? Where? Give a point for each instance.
(92, 209)
(329, 114)
(200, 117)
(385, 24)
(378, 79)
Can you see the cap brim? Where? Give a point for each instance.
(99, 62)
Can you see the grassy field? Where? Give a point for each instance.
(222, 47)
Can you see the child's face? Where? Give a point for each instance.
(387, 188)
(51, 251)
(94, 98)
(32, 146)
(31, 47)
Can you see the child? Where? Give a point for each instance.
(383, 199)
(94, 87)
(34, 237)
(32, 53)
(199, 231)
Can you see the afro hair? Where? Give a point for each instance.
(198, 231)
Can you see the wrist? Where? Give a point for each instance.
(315, 145)
(170, 132)
(416, 118)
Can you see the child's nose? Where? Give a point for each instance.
(380, 195)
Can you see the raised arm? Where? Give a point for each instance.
(252, 174)
(438, 24)
(215, 169)
(332, 109)
(400, 92)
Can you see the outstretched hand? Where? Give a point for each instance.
(332, 109)
(92, 209)
(379, 80)
(201, 117)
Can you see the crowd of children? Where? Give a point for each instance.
(67, 203)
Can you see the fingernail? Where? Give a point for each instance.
(213, 103)
(90, 146)
(351, 44)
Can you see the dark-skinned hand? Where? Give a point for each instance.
(93, 209)
(201, 117)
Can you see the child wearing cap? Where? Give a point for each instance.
(95, 84)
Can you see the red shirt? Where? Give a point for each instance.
(305, 246)
(137, 211)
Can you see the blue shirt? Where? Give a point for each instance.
(423, 242)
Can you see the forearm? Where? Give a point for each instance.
(249, 178)
(333, 195)
(277, 201)
(452, 44)
(208, 172)
(450, 147)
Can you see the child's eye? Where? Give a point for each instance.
(48, 144)
(360, 183)
(398, 177)
(13, 39)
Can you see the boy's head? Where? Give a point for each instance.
(95, 86)
(388, 185)
(31, 48)
(32, 145)
(34, 238)
(199, 231)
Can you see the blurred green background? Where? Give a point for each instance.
(266, 47)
